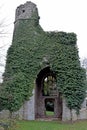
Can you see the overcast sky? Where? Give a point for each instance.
(61, 15)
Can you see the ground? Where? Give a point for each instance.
(51, 125)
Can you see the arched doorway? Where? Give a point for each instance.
(48, 101)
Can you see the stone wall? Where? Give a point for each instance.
(29, 108)
(68, 115)
(4, 114)
(25, 11)
(27, 111)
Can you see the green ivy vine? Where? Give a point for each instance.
(25, 59)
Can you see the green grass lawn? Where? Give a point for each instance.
(49, 113)
(51, 125)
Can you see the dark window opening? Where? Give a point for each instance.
(23, 10)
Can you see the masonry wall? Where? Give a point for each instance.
(27, 32)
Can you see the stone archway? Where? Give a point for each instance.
(47, 97)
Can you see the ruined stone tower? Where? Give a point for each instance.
(31, 64)
(26, 11)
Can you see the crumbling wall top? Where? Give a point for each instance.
(25, 11)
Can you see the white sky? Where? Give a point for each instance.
(61, 15)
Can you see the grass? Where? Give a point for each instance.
(51, 125)
(50, 113)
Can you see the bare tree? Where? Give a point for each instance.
(1, 63)
(2, 47)
(84, 63)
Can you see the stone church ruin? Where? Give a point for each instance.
(40, 67)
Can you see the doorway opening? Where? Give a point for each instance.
(49, 107)
(48, 101)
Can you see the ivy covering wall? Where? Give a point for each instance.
(32, 50)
